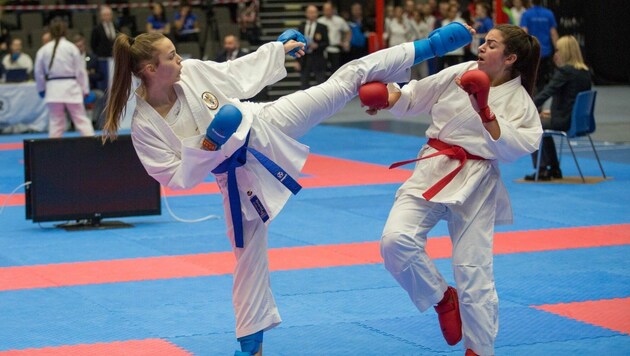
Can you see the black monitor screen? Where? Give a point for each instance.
(80, 178)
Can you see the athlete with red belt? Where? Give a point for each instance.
(482, 113)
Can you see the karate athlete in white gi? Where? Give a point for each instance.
(181, 105)
(62, 80)
(460, 181)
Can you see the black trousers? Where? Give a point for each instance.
(549, 156)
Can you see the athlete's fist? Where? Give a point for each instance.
(477, 84)
(295, 35)
(224, 124)
(374, 95)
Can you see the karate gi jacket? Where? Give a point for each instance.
(182, 164)
(455, 122)
(68, 63)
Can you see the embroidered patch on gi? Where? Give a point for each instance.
(211, 101)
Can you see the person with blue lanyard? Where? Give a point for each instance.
(191, 119)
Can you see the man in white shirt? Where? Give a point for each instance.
(338, 35)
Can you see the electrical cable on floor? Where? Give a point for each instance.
(6, 200)
(168, 208)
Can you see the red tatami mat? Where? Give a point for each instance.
(148, 347)
(613, 314)
(290, 258)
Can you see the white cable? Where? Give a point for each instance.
(6, 200)
(168, 207)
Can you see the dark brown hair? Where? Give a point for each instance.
(527, 51)
(130, 57)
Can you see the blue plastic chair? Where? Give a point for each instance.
(582, 124)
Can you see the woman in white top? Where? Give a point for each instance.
(16, 59)
(62, 81)
(398, 30)
(466, 147)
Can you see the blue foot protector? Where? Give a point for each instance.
(250, 344)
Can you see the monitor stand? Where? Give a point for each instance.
(93, 224)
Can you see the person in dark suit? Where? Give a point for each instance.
(571, 77)
(314, 61)
(94, 107)
(104, 34)
(231, 49)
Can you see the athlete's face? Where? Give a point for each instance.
(170, 63)
(492, 59)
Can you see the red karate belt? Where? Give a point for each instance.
(443, 148)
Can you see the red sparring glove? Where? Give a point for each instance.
(477, 84)
(374, 95)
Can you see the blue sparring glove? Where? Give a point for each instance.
(42, 94)
(224, 124)
(90, 98)
(296, 35)
(441, 41)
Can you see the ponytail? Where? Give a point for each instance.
(130, 54)
(527, 51)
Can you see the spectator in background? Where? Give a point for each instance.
(5, 34)
(399, 31)
(338, 35)
(420, 28)
(15, 59)
(571, 77)
(441, 13)
(104, 34)
(231, 49)
(518, 9)
(360, 27)
(186, 26)
(482, 23)
(389, 16)
(541, 23)
(95, 75)
(157, 21)
(409, 9)
(62, 80)
(456, 56)
(314, 62)
(248, 22)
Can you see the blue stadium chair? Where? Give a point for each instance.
(582, 124)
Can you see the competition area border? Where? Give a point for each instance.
(114, 6)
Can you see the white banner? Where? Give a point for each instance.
(21, 109)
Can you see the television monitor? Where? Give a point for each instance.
(80, 179)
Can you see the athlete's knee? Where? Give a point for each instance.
(396, 250)
(475, 283)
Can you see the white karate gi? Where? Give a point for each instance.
(273, 127)
(63, 93)
(472, 203)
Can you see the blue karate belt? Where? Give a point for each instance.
(238, 159)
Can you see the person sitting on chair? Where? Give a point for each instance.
(16, 59)
(571, 78)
